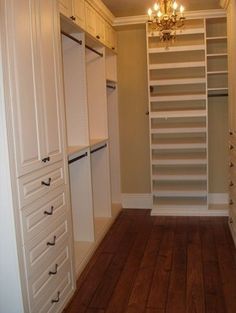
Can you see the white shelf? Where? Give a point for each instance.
(177, 65)
(185, 192)
(216, 38)
(164, 98)
(176, 177)
(180, 81)
(72, 150)
(217, 72)
(178, 145)
(217, 54)
(176, 48)
(190, 31)
(178, 130)
(176, 114)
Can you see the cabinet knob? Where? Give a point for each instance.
(231, 184)
(98, 37)
(49, 212)
(231, 147)
(231, 164)
(230, 132)
(231, 220)
(231, 202)
(53, 272)
(45, 160)
(48, 183)
(53, 242)
(73, 18)
(57, 298)
(113, 48)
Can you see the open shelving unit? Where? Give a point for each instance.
(178, 121)
(93, 140)
(183, 78)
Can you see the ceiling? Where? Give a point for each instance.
(140, 7)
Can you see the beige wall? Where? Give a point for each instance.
(133, 104)
(134, 137)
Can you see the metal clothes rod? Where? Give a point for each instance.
(219, 95)
(71, 37)
(100, 148)
(78, 158)
(111, 87)
(95, 51)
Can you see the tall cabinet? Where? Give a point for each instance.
(38, 164)
(184, 78)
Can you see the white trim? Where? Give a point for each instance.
(232, 232)
(189, 212)
(136, 201)
(218, 198)
(142, 19)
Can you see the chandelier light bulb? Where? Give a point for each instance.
(156, 7)
(181, 9)
(149, 12)
(175, 5)
(159, 14)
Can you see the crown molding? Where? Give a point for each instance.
(100, 7)
(224, 3)
(142, 19)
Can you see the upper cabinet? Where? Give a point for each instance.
(65, 7)
(86, 17)
(35, 96)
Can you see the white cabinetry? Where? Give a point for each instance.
(34, 102)
(65, 7)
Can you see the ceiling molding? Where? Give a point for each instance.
(142, 19)
(224, 3)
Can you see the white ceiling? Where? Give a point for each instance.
(140, 7)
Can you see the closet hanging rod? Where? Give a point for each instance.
(71, 37)
(78, 158)
(111, 87)
(93, 50)
(219, 95)
(99, 148)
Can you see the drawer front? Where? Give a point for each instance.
(40, 252)
(40, 215)
(45, 284)
(55, 302)
(38, 184)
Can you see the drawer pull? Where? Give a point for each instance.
(53, 272)
(73, 18)
(53, 242)
(231, 164)
(231, 147)
(57, 298)
(48, 183)
(50, 212)
(231, 202)
(231, 184)
(45, 160)
(230, 132)
(98, 37)
(231, 220)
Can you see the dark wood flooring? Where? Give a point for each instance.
(160, 265)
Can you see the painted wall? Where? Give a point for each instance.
(133, 104)
(134, 137)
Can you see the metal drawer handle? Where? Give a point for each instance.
(73, 18)
(231, 147)
(54, 272)
(231, 202)
(53, 242)
(231, 184)
(48, 183)
(98, 37)
(50, 212)
(57, 298)
(231, 164)
(47, 159)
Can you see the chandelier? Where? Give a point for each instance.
(166, 17)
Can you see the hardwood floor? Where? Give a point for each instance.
(160, 265)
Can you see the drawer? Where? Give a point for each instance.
(56, 301)
(40, 252)
(40, 215)
(39, 183)
(45, 284)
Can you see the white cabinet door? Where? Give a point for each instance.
(51, 95)
(90, 15)
(79, 12)
(33, 56)
(65, 7)
(100, 28)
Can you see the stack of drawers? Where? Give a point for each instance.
(46, 234)
(232, 184)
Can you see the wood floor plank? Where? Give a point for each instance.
(123, 288)
(140, 291)
(195, 302)
(227, 266)
(214, 299)
(160, 283)
(176, 301)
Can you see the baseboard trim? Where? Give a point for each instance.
(205, 212)
(218, 198)
(136, 200)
